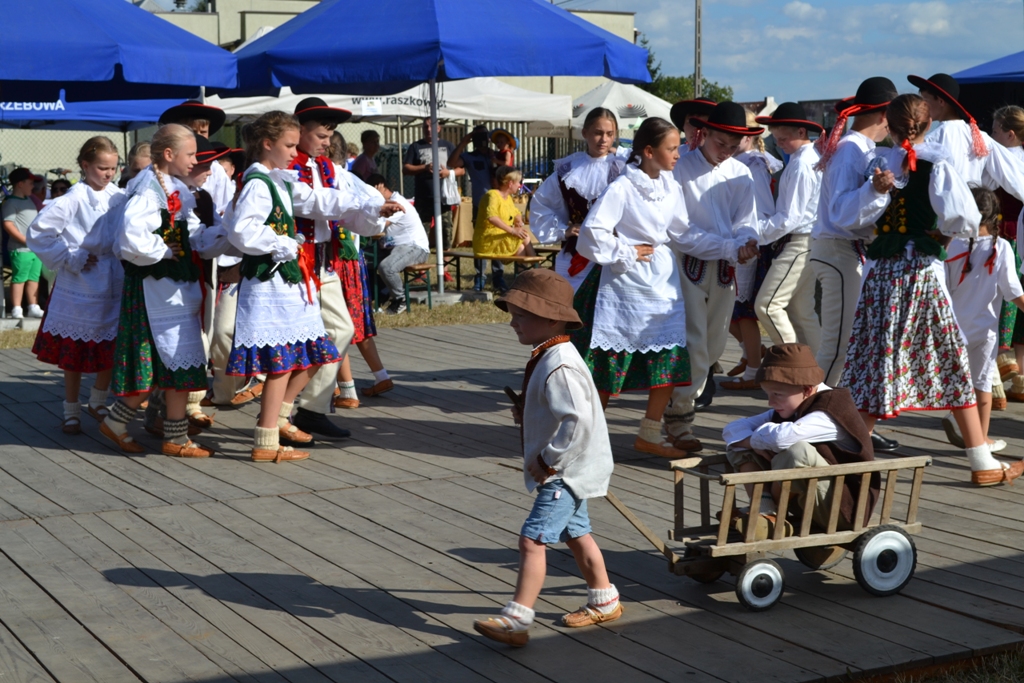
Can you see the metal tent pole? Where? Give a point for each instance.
(697, 78)
(434, 148)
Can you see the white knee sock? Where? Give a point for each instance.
(381, 375)
(72, 410)
(604, 600)
(98, 397)
(520, 615)
(192, 404)
(750, 373)
(348, 390)
(980, 459)
(266, 439)
(650, 430)
(285, 414)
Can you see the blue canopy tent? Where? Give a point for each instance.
(986, 87)
(112, 115)
(434, 40)
(102, 50)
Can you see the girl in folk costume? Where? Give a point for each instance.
(279, 331)
(1008, 130)
(159, 336)
(561, 203)
(750, 275)
(355, 285)
(906, 351)
(637, 317)
(78, 332)
(981, 275)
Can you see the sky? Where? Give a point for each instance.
(822, 49)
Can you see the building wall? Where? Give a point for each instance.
(202, 24)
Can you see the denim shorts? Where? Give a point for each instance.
(557, 515)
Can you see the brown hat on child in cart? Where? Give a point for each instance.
(544, 293)
(790, 364)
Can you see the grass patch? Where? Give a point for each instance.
(1004, 668)
(463, 313)
(20, 339)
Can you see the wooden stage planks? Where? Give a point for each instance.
(370, 561)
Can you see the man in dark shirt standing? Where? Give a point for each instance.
(418, 162)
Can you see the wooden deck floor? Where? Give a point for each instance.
(369, 562)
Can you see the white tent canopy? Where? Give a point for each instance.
(630, 104)
(479, 99)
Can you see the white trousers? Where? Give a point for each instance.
(785, 303)
(318, 395)
(708, 313)
(837, 265)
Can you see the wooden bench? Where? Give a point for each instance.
(884, 554)
(410, 274)
(520, 263)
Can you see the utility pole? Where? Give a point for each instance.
(697, 79)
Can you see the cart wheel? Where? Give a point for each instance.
(820, 557)
(759, 585)
(884, 560)
(703, 577)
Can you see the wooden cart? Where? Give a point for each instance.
(884, 555)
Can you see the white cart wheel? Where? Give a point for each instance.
(884, 560)
(759, 585)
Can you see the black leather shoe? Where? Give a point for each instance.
(880, 443)
(318, 424)
(704, 400)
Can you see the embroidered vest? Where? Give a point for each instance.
(909, 216)
(182, 270)
(262, 267)
(838, 405)
(343, 243)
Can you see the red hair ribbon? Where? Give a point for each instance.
(307, 266)
(911, 154)
(174, 205)
(577, 264)
(990, 262)
(978, 142)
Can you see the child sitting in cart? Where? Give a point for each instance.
(567, 456)
(809, 425)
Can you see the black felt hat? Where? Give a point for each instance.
(945, 87)
(873, 94)
(207, 152)
(684, 109)
(192, 110)
(790, 114)
(842, 105)
(237, 156)
(315, 109)
(728, 117)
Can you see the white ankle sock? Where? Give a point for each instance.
(768, 506)
(750, 373)
(98, 397)
(980, 459)
(348, 390)
(192, 404)
(267, 439)
(72, 410)
(650, 430)
(520, 615)
(381, 375)
(285, 414)
(604, 600)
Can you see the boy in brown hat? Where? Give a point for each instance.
(566, 456)
(809, 425)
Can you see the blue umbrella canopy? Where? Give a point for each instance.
(1008, 68)
(108, 115)
(102, 50)
(391, 45)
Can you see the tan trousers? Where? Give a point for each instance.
(838, 268)
(785, 302)
(318, 395)
(708, 313)
(800, 454)
(222, 339)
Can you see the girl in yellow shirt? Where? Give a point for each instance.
(499, 229)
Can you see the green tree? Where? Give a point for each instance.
(675, 88)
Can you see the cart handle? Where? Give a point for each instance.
(766, 476)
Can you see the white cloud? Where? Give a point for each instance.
(790, 32)
(928, 18)
(803, 11)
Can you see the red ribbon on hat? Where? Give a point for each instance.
(911, 155)
(978, 142)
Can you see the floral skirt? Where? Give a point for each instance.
(276, 360)
(73, 355)
(906, 351)
(1008, 318)
(618, 371)
(355, 287)
(137, 364)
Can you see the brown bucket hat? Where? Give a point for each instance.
(544, 293)
(790, 364)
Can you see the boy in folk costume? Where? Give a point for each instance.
(719, 194)
(850, 203)
(683, 111)
(567, 457)
(322, 246)
(785, 303)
